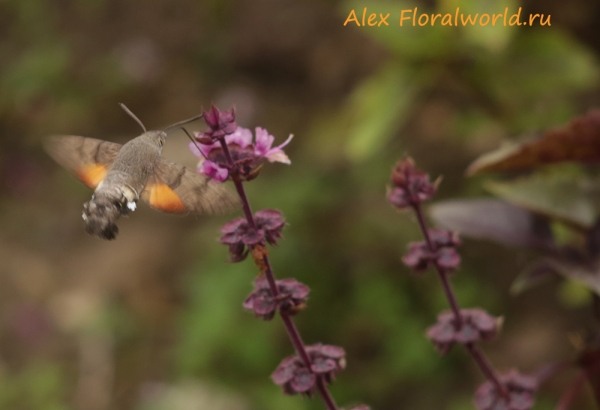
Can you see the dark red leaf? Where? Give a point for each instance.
(579, 141)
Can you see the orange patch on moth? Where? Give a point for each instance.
(164, 198)
(92, 174)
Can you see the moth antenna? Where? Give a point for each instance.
(180, 123)
(195, 142)
(132, 115)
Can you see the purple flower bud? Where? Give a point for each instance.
(409, 185)
(240, 236)
(290, 300)
(420, 258)
(271, 222)
(361, 407)
(444, 238)
(220, 124)
(521, 390)
(293, 376)
(477, 325)
(448, 259)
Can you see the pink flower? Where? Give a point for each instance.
(264, 141)
(245, 153)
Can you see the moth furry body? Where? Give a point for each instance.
(123, 184)
(122, 174)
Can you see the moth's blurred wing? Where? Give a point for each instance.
(87, 158)
(177, 189)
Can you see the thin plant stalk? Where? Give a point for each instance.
(479, 357)
(290, 326)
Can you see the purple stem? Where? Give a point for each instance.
(486, 367)
(238, 185)
(290, 326)
(481, 360)
(442, 272)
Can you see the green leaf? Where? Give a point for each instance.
(574, 201)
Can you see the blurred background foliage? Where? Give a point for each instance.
(153, 320)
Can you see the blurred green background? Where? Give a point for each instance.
(154, 320)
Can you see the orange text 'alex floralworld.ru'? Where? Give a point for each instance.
(412, 17)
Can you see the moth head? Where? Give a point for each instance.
(156, 137)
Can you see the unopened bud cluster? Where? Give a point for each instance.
(409, 188)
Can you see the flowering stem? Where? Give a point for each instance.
(325, 394)
(458, 320)
(486, 367)
(290, 326)
(245, 203)
(481, 360)
(450, 295)
(235, 176)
